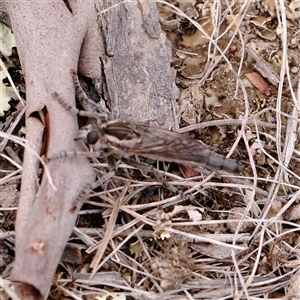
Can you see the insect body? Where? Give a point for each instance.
(128, 138)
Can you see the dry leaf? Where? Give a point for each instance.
(257, 80)
(293, 213)
(191, 104)
(237, 213)
(7, 40)
(294, 287)
(6, 93)
(216, 251)
(199, 37)
(187, 172)
(211, 99)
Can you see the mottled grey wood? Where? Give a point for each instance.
(139, 81)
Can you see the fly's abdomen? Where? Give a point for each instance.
(216, 161)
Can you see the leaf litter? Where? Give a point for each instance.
(220, 235)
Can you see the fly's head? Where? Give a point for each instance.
(92, 134)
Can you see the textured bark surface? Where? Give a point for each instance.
(4, 16)
(139, 79)
(124, 51)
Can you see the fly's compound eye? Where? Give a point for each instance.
(92, 137)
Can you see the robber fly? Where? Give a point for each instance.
(126, 139)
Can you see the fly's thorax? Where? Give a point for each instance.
(122, 134)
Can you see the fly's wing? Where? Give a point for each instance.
(161, 144)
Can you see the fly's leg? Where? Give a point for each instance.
(148, 168)
(64, 155)
(83, 98)
(73, 110)
(84, 194)
(80, 94)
